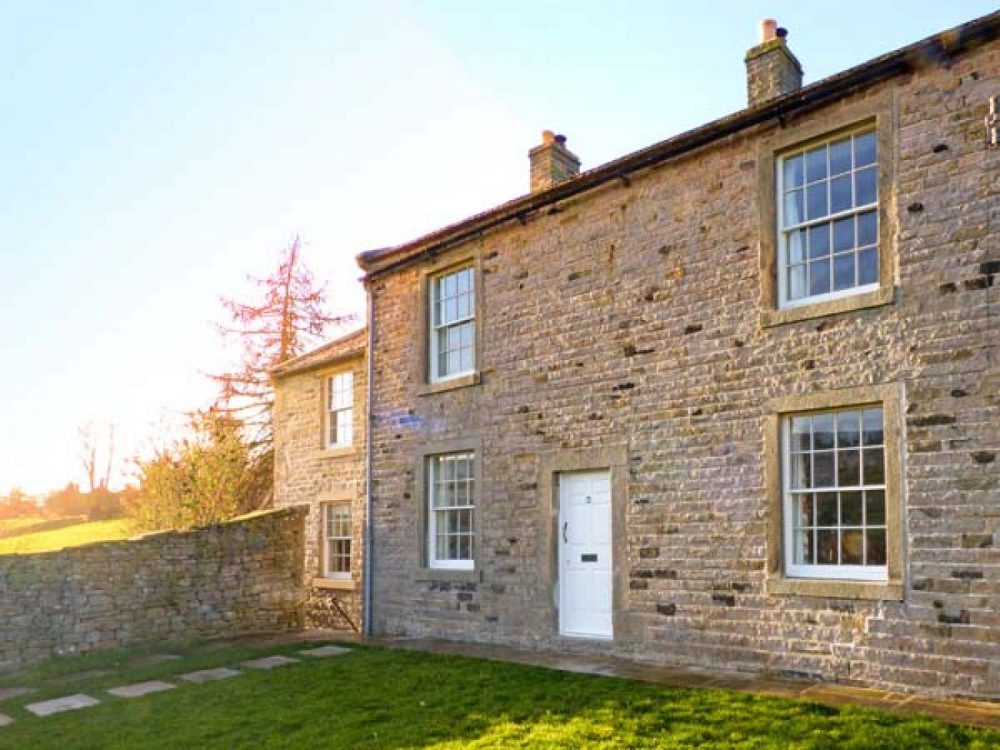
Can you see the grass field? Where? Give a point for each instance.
(13, 524)
(70, 536)
(390, 700)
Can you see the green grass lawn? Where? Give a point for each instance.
(70, 536)
(389, 700)
(13, 524)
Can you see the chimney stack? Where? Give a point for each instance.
(552, 162)
(772, 70)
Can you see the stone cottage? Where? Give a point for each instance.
(320, 428)
(730, 400)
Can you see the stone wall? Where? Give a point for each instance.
(630, 317)
(307, 474)
(237, 577)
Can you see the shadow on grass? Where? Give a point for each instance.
(390, 700)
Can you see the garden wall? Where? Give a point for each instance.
(237, 577)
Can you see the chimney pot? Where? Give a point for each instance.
(552, 162)
(768, 30)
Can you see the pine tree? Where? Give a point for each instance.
(289, 318)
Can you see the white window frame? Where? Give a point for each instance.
(434, 327)
(782, 239)
(329, 540)
(433, 465)
(877, 573)
(335, 409)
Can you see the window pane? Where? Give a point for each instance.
(797, 282)
(843, 234)
(840, 194)
(874, 466)
(816, 201)
(871, 425)
(864, 149)
(816, 164)
(852, 547)
(794, 213)
(848, 468)
(840, 157)
(804, 515)
(801, 434)
(803, 549)
(823, 431)
(868, 266)
(875, 547)
(819, 276)
(874, 507)
(826, 509)
(851, 513)
(819, 241)
(867, 228)
(843, 271)
(864, 187)
(823, 469)
(793, 172)
(848, 429)
(826, 547)
(800, 473)
(796, 246)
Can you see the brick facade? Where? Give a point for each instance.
(625, 326)
(307, 473)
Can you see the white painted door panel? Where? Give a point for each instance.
(585, 565)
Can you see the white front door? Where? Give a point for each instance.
(585, 607)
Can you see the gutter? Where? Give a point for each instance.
(935, 49)
(366, 611)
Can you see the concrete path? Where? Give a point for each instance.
(979, 713)
(210, 675)
(270, 662)
(58, 705)
(139, 689)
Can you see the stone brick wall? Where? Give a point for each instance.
(306, 474)
(630, 316)
(237, 577)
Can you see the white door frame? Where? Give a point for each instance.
(585, 529)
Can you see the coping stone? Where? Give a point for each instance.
(5, 720)
(58, 705)
(270, 662)
(15, 692)
(140, 688)
(209, 675)
(324, 651)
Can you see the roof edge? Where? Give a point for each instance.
(323, 355)
(937, 47)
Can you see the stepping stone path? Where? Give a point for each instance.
(73, 702)
(141, 688)
(270, 662)
(14, 692)
(209, 675)
(324, 651)
(58, 705)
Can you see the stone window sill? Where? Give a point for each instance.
(473, 378)
(346, 452)
(455, 576)
(882, 296)
(835, 589)
(340, 584)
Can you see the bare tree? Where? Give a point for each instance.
(90, 455)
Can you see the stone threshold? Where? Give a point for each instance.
(984, 714)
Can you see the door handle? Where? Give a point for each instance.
(565, 524)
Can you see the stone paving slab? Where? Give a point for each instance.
(209, 675)
(58, 705)
(325, 651)
(15, 692)
(5, 720)
(140, 688)
(270, 662)
(150, 660)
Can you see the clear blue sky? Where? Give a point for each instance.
(154, 153)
